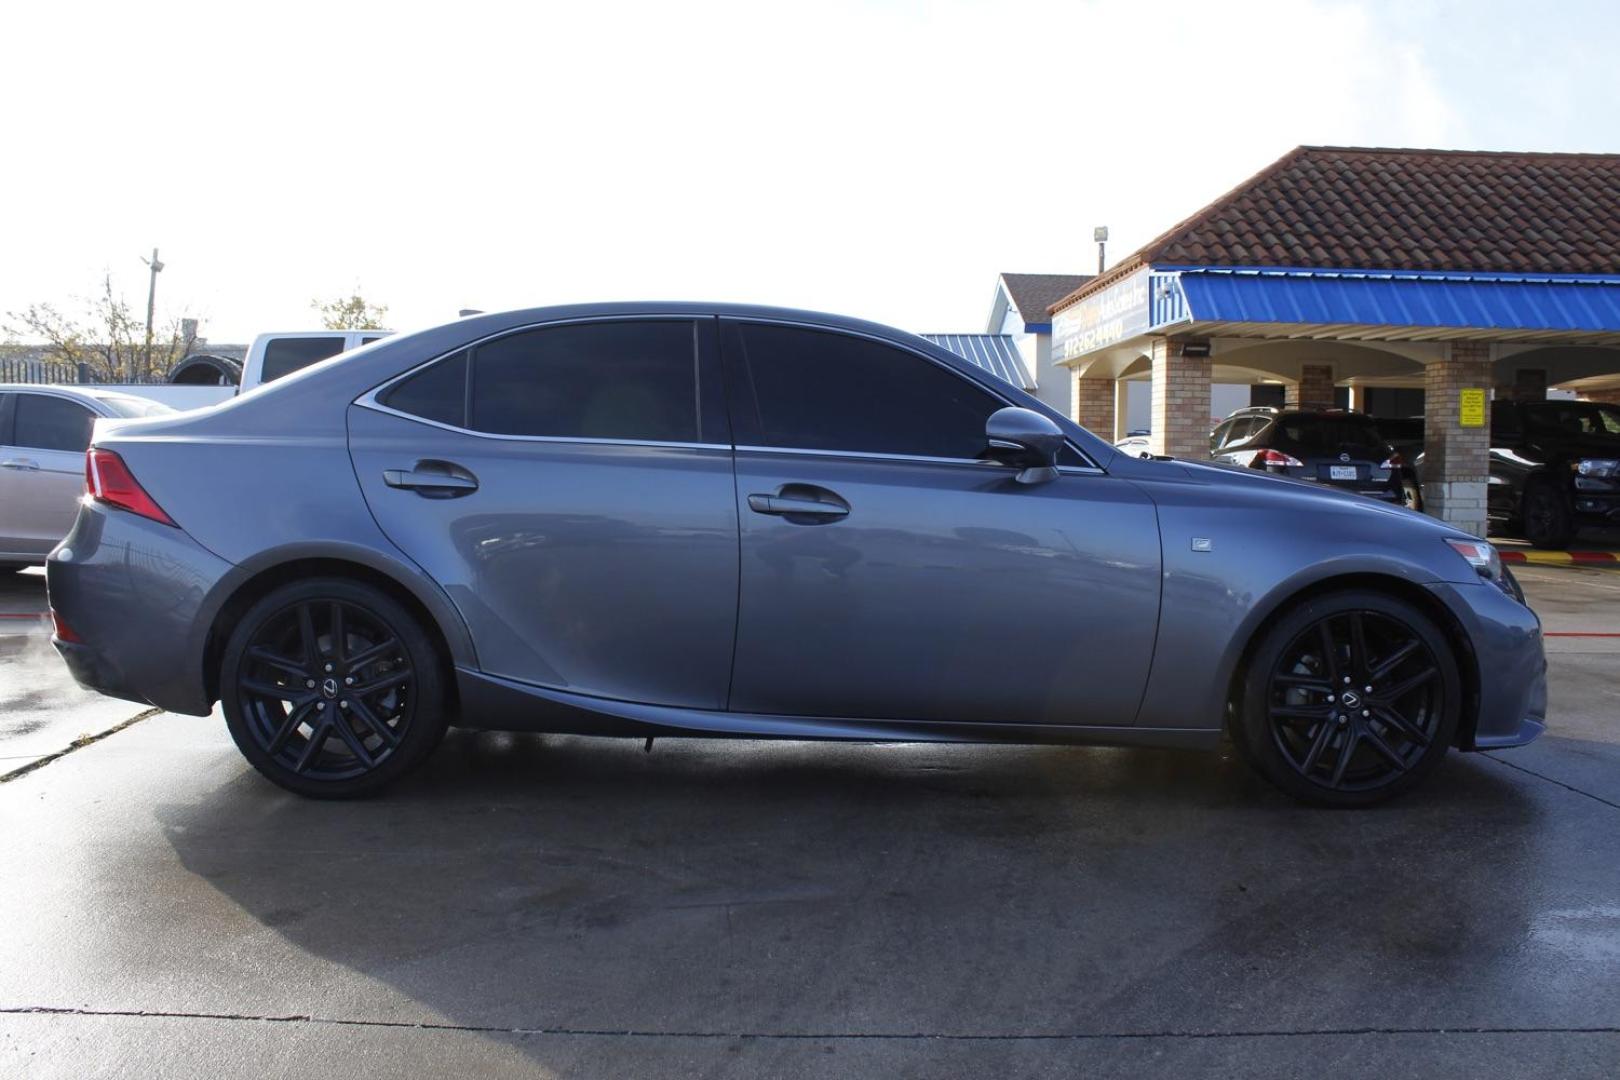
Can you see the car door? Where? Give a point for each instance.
(887, 573)
(41, 470)
(570, 486)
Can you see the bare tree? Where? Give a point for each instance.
(352, 312)
(106, 335)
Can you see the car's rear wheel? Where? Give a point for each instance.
(1546, 516)
(331, 688)
(1349, 699)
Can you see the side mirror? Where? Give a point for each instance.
(1026, 440)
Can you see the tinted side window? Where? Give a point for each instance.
(437, 392)
(817, 390)
(52, 423)
(626, 380)
(1222, 435)
(283, 356)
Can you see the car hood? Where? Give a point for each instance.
(1311, 497)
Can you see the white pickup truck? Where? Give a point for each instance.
(201, 383)
(273, 355)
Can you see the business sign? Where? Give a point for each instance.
(1104, 318)
(1471, 408)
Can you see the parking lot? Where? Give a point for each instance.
(568, 907)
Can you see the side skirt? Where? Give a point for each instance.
(489, 702)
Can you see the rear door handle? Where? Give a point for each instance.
(433, 483)
(800, 501)
(19, 463)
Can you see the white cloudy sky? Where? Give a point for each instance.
(883, 159)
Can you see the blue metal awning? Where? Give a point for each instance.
(995, 353)
(1351, 305)
(1483, 303)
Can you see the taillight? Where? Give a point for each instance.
(108, 480)
(63, 631)
(1394, 461)
(1277, 459)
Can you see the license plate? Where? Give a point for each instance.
(1341, 472)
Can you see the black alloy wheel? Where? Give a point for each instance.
(1350, 699)
(1546, 516)
(331, 688)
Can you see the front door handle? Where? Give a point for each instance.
(433, 480)
(801, 504)
(19, 463)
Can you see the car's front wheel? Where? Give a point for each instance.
(1349, 698)
(331, 688)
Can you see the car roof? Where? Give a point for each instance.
(317, 333)
(309, 392)
(96, 393)
(1325, 414)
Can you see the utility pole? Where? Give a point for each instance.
(1099, 234)
(151, 304)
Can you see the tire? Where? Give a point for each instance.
(1293, 722)
(1546, 516)
(327, 721)
(1412, 495)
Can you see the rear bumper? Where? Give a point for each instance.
(1510, 662)
(1389, 490)
(132, 590)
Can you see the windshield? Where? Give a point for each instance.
(125, 406)
(1575, 418)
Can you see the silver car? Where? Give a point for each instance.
(44, 431)
(656, 520)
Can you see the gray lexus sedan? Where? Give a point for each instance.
(678, 519)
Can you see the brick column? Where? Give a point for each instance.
(1180, 414)
(1458, 458)
(1314, 390)
(1094, 406)
(1529, 384)
(1122, 408)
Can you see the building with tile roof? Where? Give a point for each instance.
(1459, 273)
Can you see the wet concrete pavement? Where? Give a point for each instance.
(42, 710)
(570, 907)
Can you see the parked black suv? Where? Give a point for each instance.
(1555, 466)
(1330, 446)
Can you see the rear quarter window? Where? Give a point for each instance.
(438, 392)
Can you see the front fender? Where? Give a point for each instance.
(1233, 554)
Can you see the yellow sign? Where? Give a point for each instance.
(1471, 408)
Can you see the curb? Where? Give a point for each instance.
(1563, 558)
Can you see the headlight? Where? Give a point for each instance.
(1597, 466)
(1481, 556)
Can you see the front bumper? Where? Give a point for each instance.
(1509, 660)
(1596, 508)
(133, 590)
